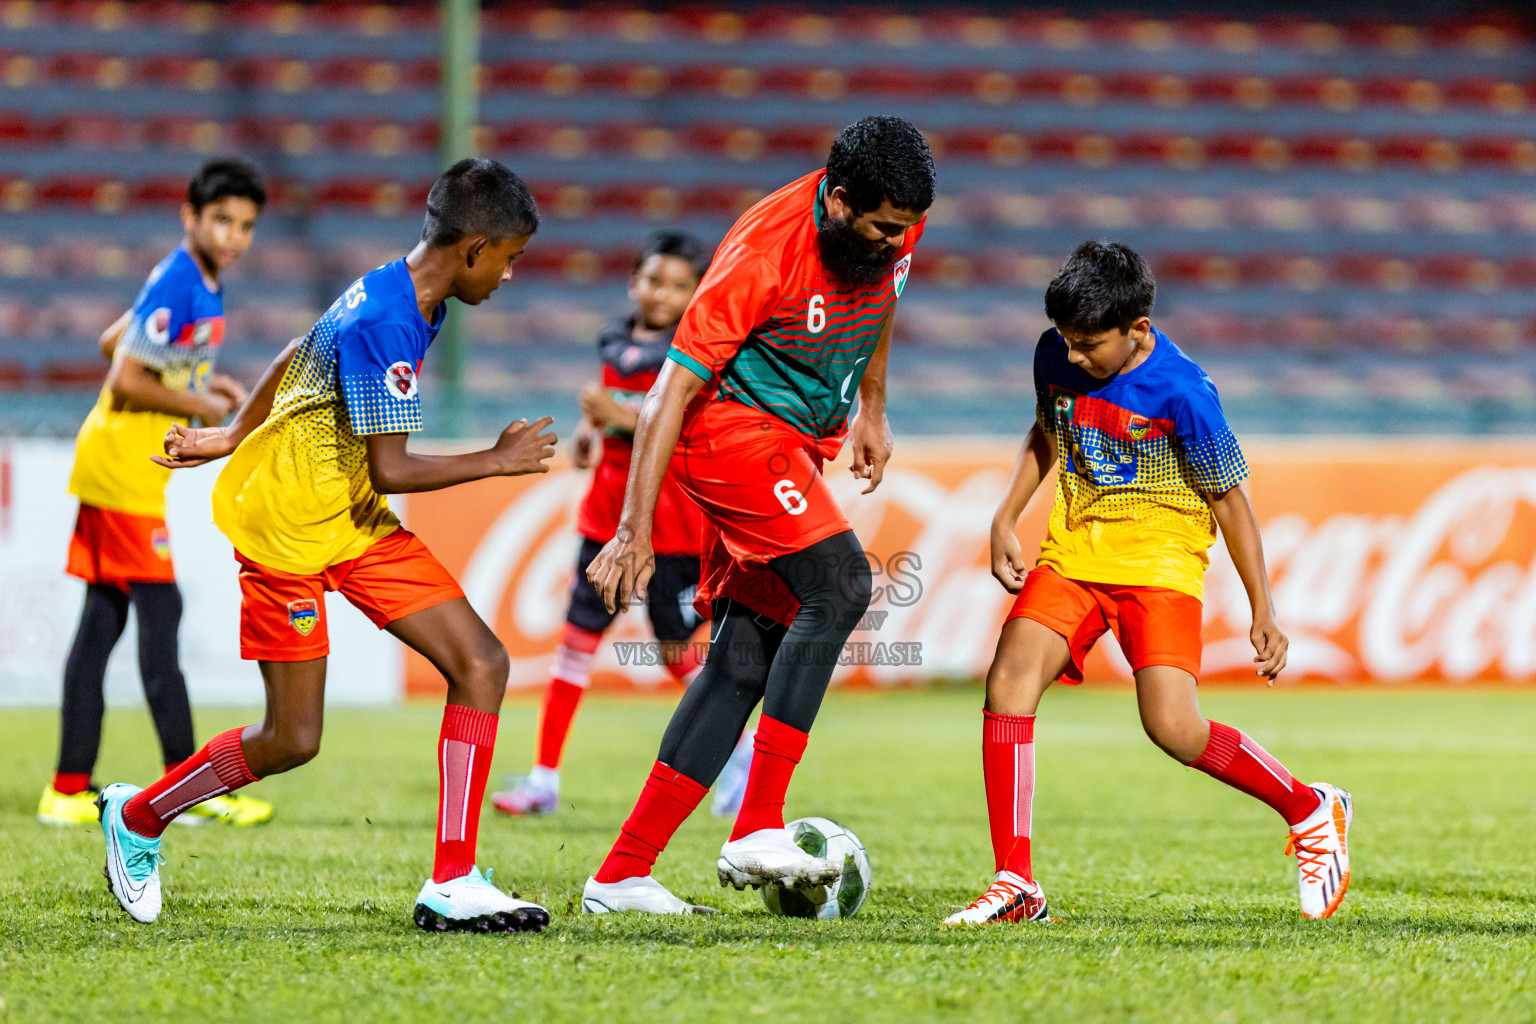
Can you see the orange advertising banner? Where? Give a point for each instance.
(1401, 561)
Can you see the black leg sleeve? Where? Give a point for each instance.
(715, 708)
(831, 580)
(102, 620)
(159, 610)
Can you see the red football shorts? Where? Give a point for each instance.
(282, 614)
(1155, 625)
(116, 549)
(759, 483)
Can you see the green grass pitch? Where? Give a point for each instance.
(1175, 901)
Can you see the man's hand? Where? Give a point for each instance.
(622, 570)
(1271, 646)
(228, 388)
(870, 442)
(185, 447)
(587, 445)
(524, 448)
(1008, 565)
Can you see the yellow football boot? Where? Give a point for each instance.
(67, 809)
(230, 809)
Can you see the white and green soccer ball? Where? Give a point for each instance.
(822, 837)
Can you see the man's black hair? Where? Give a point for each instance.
(220, 179)
(1103, 286)
(676, 243)
(478, 196)
(879, 158)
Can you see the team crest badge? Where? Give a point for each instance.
(903, 269)
(160, 541)
(1064, 406)
(302, 615)
(1138, 427)
(400, 378)
(157, 327)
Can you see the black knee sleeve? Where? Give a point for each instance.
(831, 580)
(715, 708)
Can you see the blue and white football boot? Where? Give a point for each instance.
(470, 903)
(133, 862)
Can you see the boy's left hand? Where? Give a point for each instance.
(1271, 645)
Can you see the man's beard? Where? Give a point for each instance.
(850, 257)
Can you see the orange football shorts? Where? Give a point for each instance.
(116, 549)
(282, 614)
(1155, 625)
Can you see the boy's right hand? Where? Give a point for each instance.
(1008, 565)
(525, 448)
(185, 447)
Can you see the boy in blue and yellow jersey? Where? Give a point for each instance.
(791, 323)
(1148, 470)
(312, 453)
(163, 351)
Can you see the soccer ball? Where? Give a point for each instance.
(822, 837)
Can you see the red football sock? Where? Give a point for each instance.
(776, 750)
(70, 783)
(1234, 758)
(217, 769)
(561, 699)
(568, 680)
(684, 662)
(464, 748)
(1008, 766)
(665, 803)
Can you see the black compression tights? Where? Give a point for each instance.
(102, 620)
(752, 658)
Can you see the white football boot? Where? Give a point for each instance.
(470, 903)
(538, 792)
(1010, 898)
(644, 895)
(133, 861)
(1321, 845)
(770, 857)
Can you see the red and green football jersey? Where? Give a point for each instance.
(771, 329)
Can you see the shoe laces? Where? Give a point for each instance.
(143, 862)
(1309, 849)
(1000, 891)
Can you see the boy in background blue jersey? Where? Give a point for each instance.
(163, 352)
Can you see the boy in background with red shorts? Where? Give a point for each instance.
(163, 352)
(1149, 470)
(632, 349)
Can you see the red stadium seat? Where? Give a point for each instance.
(13, 376)
(65, 374)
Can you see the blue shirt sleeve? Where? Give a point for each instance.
(378, 365)
(160, 313)
(1207, 440)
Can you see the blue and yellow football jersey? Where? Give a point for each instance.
(1137, 455)
(176, 328)
(296, 495)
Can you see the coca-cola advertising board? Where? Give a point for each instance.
(1391, 562)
